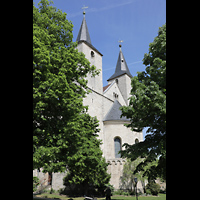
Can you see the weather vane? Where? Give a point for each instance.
(120, 41)
(84, 7)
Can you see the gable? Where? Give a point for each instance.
(113, 92)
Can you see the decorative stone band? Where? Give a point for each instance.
(116, 161)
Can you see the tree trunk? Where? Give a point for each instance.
(143, 185)
(85, 188)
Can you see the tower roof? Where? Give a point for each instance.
(83, 34)
(114, 113)
(121, 67)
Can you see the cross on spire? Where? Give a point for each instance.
(84, 7)
(120, 41)
(83, 34)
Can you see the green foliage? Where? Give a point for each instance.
(91, 178)
(147, 108)
(63, 133)
(127, 178)
(153, 187)
(118, 192)
(148, 191)
(35, 183)
(87, 170)
(122, 192)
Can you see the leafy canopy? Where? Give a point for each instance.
(63, 133)
(147, 108)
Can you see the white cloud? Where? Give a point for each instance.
(100, 9)
(134, 63)
(127, 64)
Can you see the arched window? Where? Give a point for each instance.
(136, 141)
(117, 142)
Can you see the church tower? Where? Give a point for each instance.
(105, 103)
(95, 84)
(122, 76)
(115, 133)
(92, 54)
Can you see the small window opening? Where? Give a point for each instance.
(115, 95)
(122, 60)
(136, 141)
(92, 53)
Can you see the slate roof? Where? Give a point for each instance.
(121, 67)
(83, 32)
(84, 36)
(114, 113)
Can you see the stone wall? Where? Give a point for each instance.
(57, 180)
(96, 60)
(114, 129)
(115, 168)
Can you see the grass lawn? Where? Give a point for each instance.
(117, 197)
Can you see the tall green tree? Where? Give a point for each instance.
(87, 166)
(147, 108)
(64, 134)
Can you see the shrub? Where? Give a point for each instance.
(52, 191)
(148, 191)
(83, 188)
(126, 193)
(117, 192)
(132, 192)
(153, 187)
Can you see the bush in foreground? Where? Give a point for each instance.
(153, 187)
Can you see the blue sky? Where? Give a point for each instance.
(136, 22)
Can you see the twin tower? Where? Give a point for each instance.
(104, 103)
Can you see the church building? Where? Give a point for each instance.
(104, 103)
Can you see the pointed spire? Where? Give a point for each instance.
(121, 67)
(83, 34)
